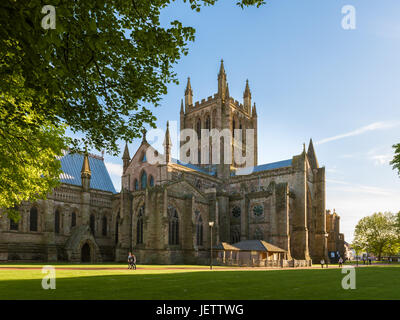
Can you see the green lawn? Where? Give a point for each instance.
(159, 282)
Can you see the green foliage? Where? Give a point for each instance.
(101, 67)
(29, 144)
(376, 234)
(396, 160)
(95, 73)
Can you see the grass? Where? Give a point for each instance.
(198, 282)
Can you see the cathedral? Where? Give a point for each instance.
(166, 211)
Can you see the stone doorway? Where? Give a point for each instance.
(86, 253)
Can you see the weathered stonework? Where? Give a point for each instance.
(163, 211)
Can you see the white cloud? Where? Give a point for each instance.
(114, 168)
(360, 189)
(371, 127)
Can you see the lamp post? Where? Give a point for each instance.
(211, 224)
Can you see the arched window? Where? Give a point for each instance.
(73, 219)
(136, 184)
(33, 219)
(198, 129)
(144, 158)
(92, 224)
(173, 230)
(139, 226)
(151, 181)
(57, 221)
(235, 236)
(199, 232)
(208, 123)
(104, 226)
(143, 180)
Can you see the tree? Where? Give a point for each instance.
(396, 160)
(95, 73)
(375, 233)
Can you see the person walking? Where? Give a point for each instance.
(130, 260)
(322, 263)
(133, 261)
(340, 262)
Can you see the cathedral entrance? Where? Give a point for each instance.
(85, 253)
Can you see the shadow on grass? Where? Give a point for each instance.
(371, 283)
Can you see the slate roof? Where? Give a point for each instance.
(71, 165)
(257, 245)
(225, 246)
(263, 167)
(194, 167)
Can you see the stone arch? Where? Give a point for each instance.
(173, 226)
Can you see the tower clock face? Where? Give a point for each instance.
(236, 212)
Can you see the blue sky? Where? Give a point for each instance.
(310, 78)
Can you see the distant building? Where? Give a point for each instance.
(336, 248)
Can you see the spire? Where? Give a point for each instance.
(85, 172)
(254, 112)
(126, 157)
(167, 145)
(126, 152)
(247, 92)
(188, 94)
(222, 81)
(188, 87)
(182, 110)
(247, 97)
(144, 131)
(312, 157)
(221, 69)
(227, 91)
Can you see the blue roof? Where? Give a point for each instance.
(194, 167)
(263, 167)
(71, 165)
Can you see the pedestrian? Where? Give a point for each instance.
(326, 264)
(340, 262)
(322, 263)
(133, 261)
(130, 260)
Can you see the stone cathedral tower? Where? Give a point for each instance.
(219, 111)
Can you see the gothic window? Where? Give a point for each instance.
(104, 226)
(139, 226)
(258, 210)
(173, 230)
(198, 129)
(143, 180)
(258, 234)
(92, 224)
(199, 232)
(33, 219)
(236, 212)
(208, 123)
(73, 219)
(235, 236)
(144, 159)
(136, 184)
(151, 181)
(57, 221)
